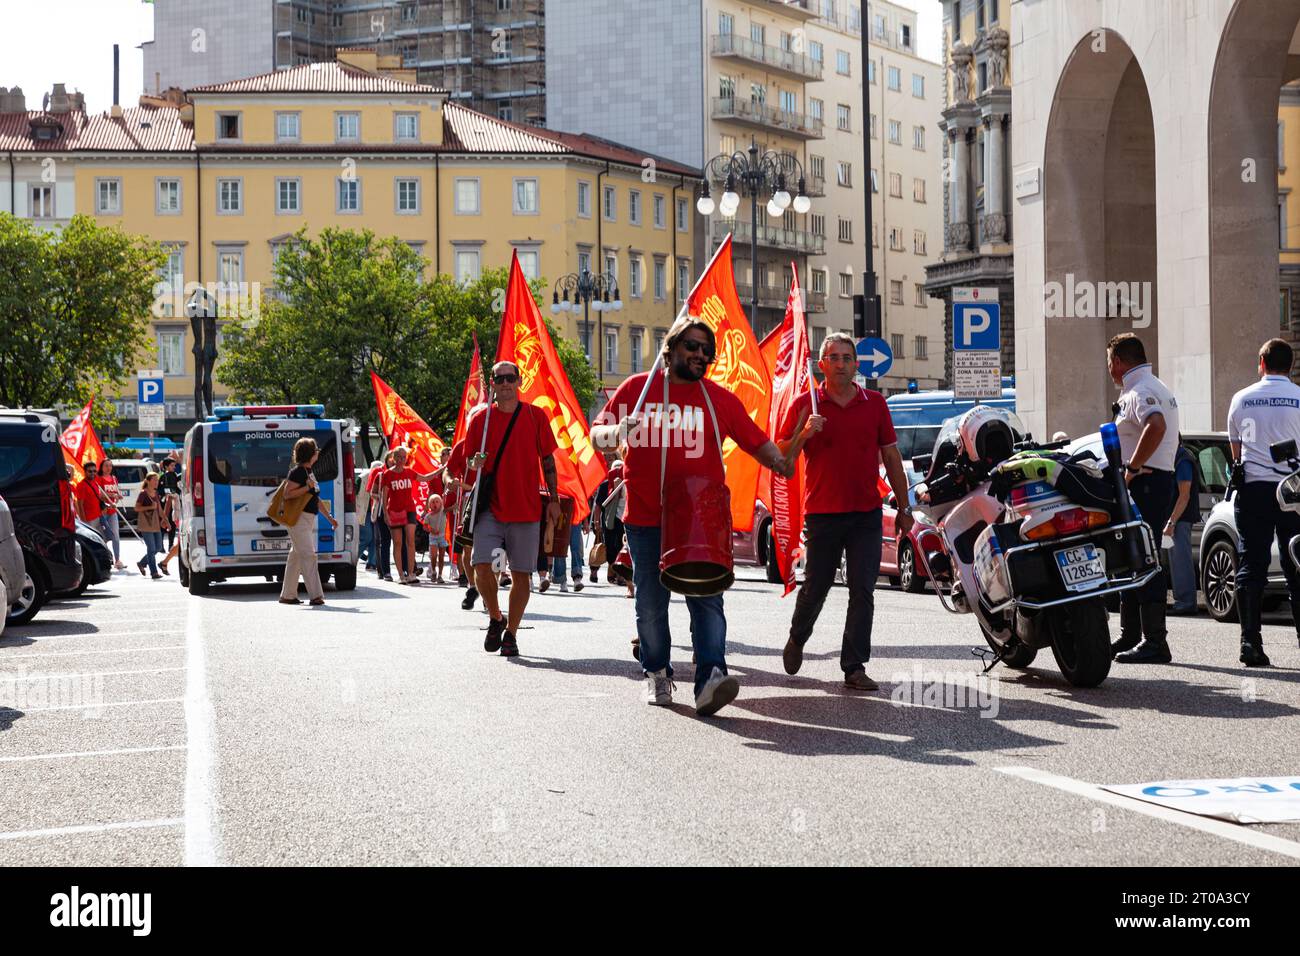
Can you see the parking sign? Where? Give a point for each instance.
(976, 320)
(149, 387)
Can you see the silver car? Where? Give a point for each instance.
(13, 571)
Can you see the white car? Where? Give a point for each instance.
(130, 474)
(12, 570)
(232, 464)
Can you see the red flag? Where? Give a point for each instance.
(473, 395)
(80, 443)
(790, 379)
(402, 426)
(525, 341)
(739, 369)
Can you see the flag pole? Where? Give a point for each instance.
(812, 385)
(478, 479)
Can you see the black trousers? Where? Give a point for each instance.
(855, 535)
(1259, 521)
(1154, 496)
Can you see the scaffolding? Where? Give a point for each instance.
(490, 54)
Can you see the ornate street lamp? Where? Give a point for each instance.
(594, 292)
(750, 174)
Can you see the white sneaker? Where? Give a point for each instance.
(659, 688)
(718, 691)
(564, 586)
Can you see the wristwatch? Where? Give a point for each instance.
(1131, 469)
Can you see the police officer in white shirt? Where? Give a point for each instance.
(1264, 413)
(1147, 421)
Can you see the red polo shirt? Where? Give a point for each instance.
(844, 459)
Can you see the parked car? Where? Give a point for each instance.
(34, 483)
(898, 561)
(233, 462)
(96, 560)
(12, 571)
(130, 474)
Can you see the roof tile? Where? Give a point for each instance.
(329, 77)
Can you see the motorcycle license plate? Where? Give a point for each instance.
(280, 544)
(1082, 568)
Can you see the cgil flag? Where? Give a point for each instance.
(740, 369)
(790, 379)
(80, 443)
(402, 426)
(525, 341)
(473, 395)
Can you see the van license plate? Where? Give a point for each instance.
(263, 544)
(1082, 568)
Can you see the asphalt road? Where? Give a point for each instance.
(231, 729)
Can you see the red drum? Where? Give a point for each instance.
(557, 546)
(695, 536)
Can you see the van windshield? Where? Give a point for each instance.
(261, 458)
(129, 474)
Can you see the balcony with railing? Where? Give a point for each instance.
(776, 297)
(773, 237)
(816, 186)
(798, 9)
(762, 116)
(786, 62)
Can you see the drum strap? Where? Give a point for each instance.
(663, 432)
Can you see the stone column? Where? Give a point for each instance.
(994, 227)
(959, 225)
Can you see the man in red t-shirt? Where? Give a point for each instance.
(88, 502)
(686, 430)
(509, 526)
(844, 443)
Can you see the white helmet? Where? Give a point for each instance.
(986, 435)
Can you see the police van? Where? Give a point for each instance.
(232, 463)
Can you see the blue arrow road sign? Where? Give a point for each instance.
(976, 326)
(874, 357)
(149, 391)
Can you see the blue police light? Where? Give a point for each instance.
(227, 412)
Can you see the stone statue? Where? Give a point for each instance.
(997, 42)
(961, 57)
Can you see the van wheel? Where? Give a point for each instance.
(183, 573)
(32, 598)
(345, 579)
(199, 582)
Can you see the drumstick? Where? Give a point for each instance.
(812, 386)
(613, 491)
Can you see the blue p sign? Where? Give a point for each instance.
(976, 326)
(149, 391)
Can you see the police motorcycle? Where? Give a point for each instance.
(1031, 540)
(1288, 489)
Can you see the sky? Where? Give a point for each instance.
(84, 31)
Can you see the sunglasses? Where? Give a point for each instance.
(692, 346)
(508, 378)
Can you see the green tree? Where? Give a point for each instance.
(74, 312)
(347, 303)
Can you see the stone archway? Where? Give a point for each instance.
(1257, 55)
(1099, 193)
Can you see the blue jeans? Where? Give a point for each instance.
(153, 544)
(1182, 568)
(558, 566)
(708, 621)
(367, 541)
(108, 525)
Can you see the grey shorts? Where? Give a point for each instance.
(519, 539)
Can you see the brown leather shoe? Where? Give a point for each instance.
(859, 680)
(289, 601)
(316, 602)
(792, 657)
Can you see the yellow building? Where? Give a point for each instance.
(1288, 210)
(225, 174)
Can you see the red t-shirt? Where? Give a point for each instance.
(514, 490)
(400, 486)
(844, 459)
(108, 485)
(692, 443)
(89, 500)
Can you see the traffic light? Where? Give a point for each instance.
(866, 317)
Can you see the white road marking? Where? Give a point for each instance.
(91, 828)
(74, 637)
(110, 650)
(201, 848)
(1220, 828)
(116, 703)
(91, 753)
(24, 678)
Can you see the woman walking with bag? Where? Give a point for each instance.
(302, 543)
(149, 521)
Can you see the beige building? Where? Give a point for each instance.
(906, 180)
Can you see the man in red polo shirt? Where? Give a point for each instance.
(520, 444)
(845, 443)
